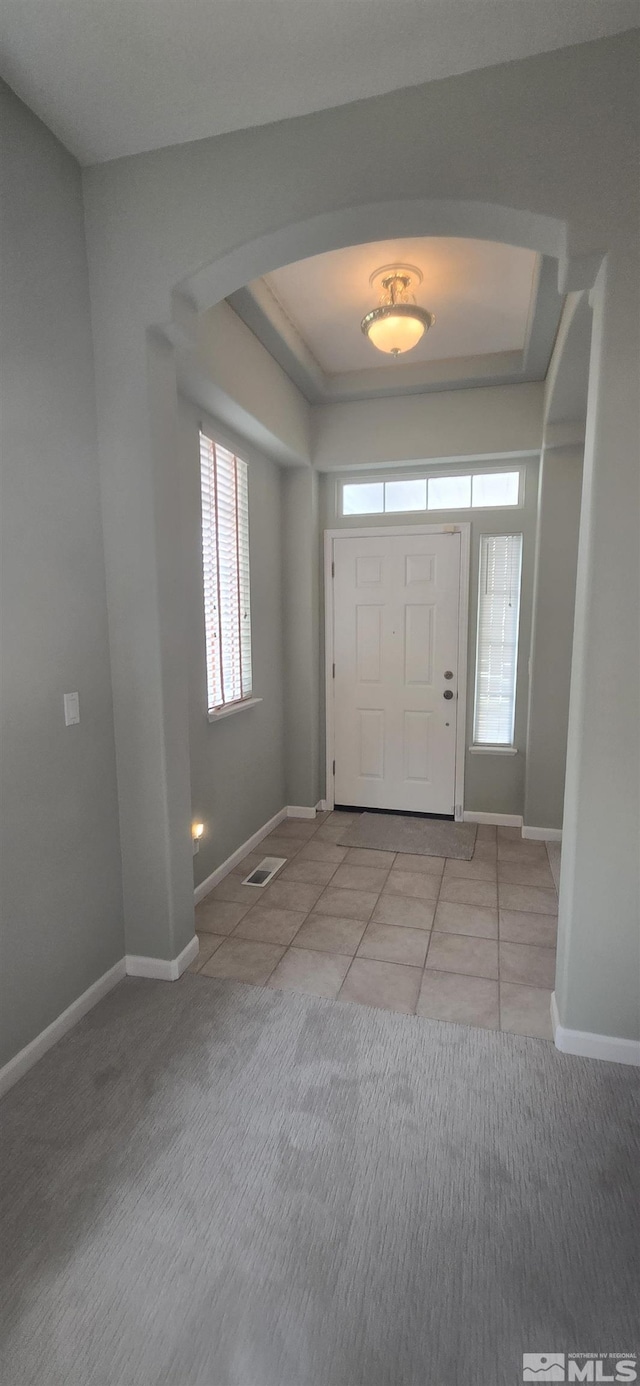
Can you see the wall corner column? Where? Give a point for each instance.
(139, 477)
(598, 972)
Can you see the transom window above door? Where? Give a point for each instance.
(447, 491)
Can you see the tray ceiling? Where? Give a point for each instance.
(497, 310)
(480, 293)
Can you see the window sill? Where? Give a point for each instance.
(233, 707)
(493, 750)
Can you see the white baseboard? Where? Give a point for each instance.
(228, 865)
(298, 811)
(27, 1057)
(321, 806)
(162, 969)
(166, 970)
(590, 1046)
(514, 820)
(504, 820)
(543, 834)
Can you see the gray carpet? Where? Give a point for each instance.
(425, 837)
(208, 1184)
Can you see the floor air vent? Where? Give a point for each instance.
(265, 872)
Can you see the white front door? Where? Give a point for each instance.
(396, 605)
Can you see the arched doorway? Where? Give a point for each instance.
(153, 268)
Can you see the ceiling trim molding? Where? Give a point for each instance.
(261, 310)
(544, 318)
(567, 382)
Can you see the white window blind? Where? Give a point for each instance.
(497, 652)
(225, 557)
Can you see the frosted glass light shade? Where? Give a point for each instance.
(396, 328)
(395, 334)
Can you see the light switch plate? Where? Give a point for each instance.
(71, 709)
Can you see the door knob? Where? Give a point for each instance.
(448, 694)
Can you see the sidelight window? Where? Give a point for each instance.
(497, 647)
(225, 558)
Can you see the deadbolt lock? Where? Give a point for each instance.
(448, 673)
(448, 694)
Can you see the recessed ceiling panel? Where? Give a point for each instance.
(480, 292)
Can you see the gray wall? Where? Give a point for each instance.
(449, 423)
(231, 375)
(62, 897)
(237, 764)
(494, 783)
(554, 603)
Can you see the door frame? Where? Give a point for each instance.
(395, 531)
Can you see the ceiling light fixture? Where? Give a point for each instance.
(398, 323)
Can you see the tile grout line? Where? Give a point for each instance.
(365, 929)
(324, 952)
(339, 991)
(432, 929)
(467, 974)
(387, 962)
(309, 912)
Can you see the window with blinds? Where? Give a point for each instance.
(497, 650)
(225, 558)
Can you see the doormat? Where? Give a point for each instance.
(423, 837)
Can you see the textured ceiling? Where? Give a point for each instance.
(115, 77)
(479, 291)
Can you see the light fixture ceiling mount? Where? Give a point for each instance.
(398, 323)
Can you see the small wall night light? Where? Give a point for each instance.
(197, 832)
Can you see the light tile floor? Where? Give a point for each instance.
(467, 941)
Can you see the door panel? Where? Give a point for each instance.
(417, 748)
(371, 721)
(369, 643)
(418, 644)
(396, 613)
